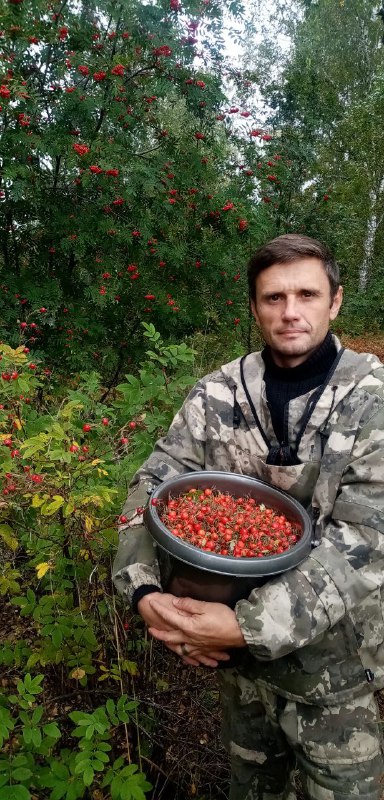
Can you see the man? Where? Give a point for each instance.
(308, 417)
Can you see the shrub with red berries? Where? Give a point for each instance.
(128, 182)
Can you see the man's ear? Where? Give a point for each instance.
(336, 303)
(254, 313)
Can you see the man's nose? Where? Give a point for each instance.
(291, 308)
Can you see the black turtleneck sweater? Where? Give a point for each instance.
(285, 383)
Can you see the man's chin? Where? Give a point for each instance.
(293, 346)
(284, 351)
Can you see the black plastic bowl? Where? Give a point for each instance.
(210, 576)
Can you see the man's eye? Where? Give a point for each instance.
(274, 297)
(307, 293)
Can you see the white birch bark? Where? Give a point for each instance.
(374, 222)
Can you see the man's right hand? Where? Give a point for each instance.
(147, 611)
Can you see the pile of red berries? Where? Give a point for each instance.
(223, 524)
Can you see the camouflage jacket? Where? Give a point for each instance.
(314, 631)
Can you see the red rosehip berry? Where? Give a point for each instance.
(132, 425)
(105, 421)
(123, 519)
(87, 427)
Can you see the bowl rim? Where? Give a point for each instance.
(215, 562)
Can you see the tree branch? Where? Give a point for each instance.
(150, 150)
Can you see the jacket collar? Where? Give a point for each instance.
(351, 370)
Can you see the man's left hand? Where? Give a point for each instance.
(200, 626)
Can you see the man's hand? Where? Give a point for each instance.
(149, 608)
(148, 611)
(199, 626)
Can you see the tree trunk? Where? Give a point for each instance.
(374, 222)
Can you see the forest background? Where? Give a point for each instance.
(147, 149)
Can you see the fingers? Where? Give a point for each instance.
(171, 616)
(195, 659)
(173, 636)
(206, 661)
(198, 659)
(175, 639)
(217, 655)
(189, 606)
(190, 660)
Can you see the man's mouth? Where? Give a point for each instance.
(292, 330)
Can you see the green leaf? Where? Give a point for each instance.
(90, 731)
(56, 454)
(21, 774)
(101, 756)
(6, 725)
(14, 793)
(59, 791)
(30, 685)
(50, 508)
(57, 637)
(78, 717)
(37, 715)
(97, 765)
(75, 790)
(52, 730)
(8, 536)
(36, 737)
(110, 706)
(59, 770)
(27, 735)
(116, 786)
(88, 776)
(20, 760)
(37, 501)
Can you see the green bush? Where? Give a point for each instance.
(66, 456)
(122, 192)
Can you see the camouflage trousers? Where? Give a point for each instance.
(337, 749)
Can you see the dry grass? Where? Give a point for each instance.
(365, 344)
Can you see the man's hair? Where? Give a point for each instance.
(292, 247)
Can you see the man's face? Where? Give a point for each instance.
(293, 309)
